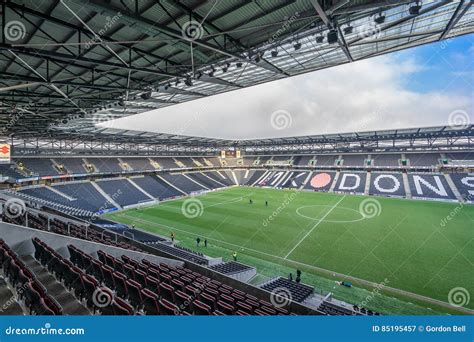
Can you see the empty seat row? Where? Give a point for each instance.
(162, 289)
(28, 288)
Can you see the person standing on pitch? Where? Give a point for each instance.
(205, 243)
(172, 237)
(234, 255)
(266, 203)
(198, 241)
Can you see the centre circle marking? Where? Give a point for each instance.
(329, 206)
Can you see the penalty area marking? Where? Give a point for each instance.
(315, 226)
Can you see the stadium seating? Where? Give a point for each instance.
(303, 160)
(295, 179)
(387, 184)
(386, 160)
(320, 181)
(351, 182)
(424, 160)
(465, 184)
(9, 170)
(224, 176)
(296, 291)
(123, 192)
(86, 196)
(230, 267)
(430, 186)
(203, 179)
(156, 187)
(39, 166)
(106, 164)
(354, 160)
(162, 289)
(165, 163)
(139, 164)
(72, 165)
(183, 183)
(325, 160)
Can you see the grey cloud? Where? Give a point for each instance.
(361, 96)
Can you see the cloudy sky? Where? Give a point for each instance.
(426, 86)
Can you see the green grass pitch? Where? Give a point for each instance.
(406, 244)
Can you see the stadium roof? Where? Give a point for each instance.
(67, 65)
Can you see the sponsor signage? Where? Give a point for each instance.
(5, 154)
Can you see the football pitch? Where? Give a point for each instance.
(404, 246)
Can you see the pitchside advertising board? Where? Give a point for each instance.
(5, 153)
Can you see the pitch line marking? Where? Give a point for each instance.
(315, 226)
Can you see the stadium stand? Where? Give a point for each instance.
(297, 291)
(139, 164)
(123, 192)
(272, 178)
(387, 184)
(465, 184)
(183, 183)
(320, 181)
(163, 289)
(351, 182)
(106, 164)
(386, 160)
(430, 186)
(203, 179)
(86, 195)
(224, 177)
(326, 160)
(156, 187)
(335, 310)
(72, 165)
(295, 179)
(9, 170)
(424, 160)
(303, 160)
(230, 267)
(354, 160)
(39, 166)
